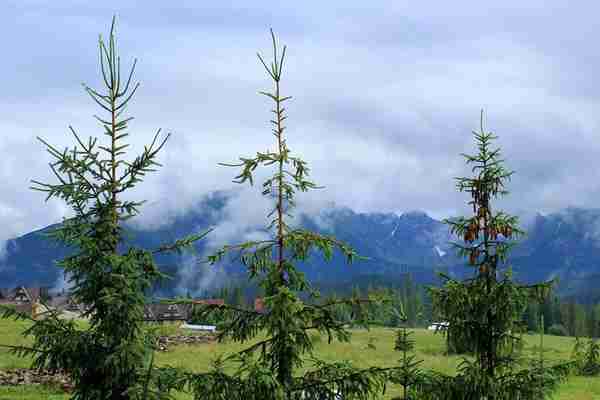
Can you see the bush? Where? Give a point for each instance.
(558, 330)
(587, 357)
(9, 306)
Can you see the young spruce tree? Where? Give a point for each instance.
(547, 378)
(586, 355)
(269, 369)
(485, 311)
(107, 357)
(408, 373)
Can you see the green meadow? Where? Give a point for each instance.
(429, 347)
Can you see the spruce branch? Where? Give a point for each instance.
(266, 370)
(104, 360)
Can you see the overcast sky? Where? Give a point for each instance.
(385, 96)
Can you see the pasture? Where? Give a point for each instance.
(429, 347)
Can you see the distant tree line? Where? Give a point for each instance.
(413, 298)
(562, 316)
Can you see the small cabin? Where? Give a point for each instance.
(23, 295)
(159, 312)
(220, 302)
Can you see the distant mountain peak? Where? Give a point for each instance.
(439, 251)
(415, 214)
(563, 244)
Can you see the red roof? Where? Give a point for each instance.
(220, 302)
(259, 304)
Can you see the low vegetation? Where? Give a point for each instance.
(428, 347)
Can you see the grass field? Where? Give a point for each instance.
(429, 348)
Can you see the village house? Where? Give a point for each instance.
(23, 298)
(60, 301)
(23, 295)
(259, 305)
(209, 301)
(158, 312)
(30, 300)
(27, 300)
(67, 303)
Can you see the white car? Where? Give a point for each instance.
(438, 325)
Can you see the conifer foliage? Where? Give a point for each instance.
(586, 355)
(547, 378)
(268, 369)
(408, 373)
(482, 244)
(107, 357)
(483, 312)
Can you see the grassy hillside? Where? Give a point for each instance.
(429, 348)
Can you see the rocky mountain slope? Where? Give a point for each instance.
(563, 245)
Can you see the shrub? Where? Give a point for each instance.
(587, 357)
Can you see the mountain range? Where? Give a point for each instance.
(563, 245)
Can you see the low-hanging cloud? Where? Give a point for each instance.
(195, 277)
(63, 283)
(384, 100)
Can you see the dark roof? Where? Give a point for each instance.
(68, 303)
(259, 305)
(15, 293)
(30, 294)
(167, 312)
(72, 305)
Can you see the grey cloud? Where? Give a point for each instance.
(194, 277)
(62, 284)
(385, 98)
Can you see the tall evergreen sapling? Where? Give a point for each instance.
(484, 311)
(106, 359)
(269, 368)
(547, 378)
(480, 234)
(586, 355)
(408, 373)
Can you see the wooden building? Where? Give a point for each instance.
(158, 312)
(259, 305)
(220, 302)
(23, 295)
